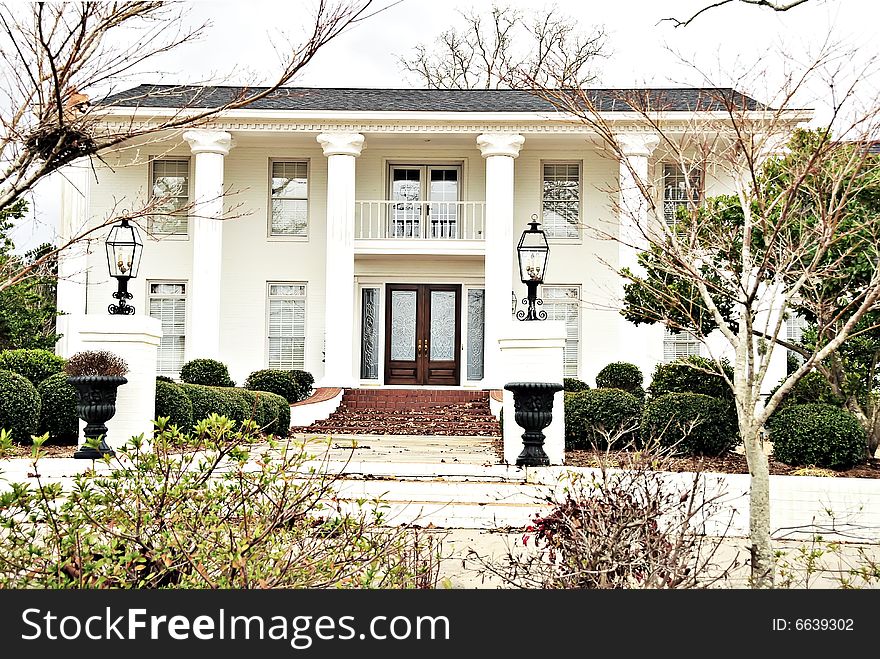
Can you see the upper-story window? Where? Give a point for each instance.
(289, 205)
(561, 199)
(169, 190)
(427, 201)
(680, 190)
(678, 345)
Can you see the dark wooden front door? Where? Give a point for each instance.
(422, 334)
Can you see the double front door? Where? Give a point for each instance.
(423, 334)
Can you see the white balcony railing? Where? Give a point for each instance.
(430, 220)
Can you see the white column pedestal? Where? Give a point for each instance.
(136, 340)
(531, 351)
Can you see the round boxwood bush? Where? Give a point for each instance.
(812, 388)
(621, 375)
(35, 365)
(58, 410)
(691, 424)
(595, 416)
(206, 401)
(817, 434)
(292, 385)
(172, 401)
(692, 375)
(19, 406)
(573, 384)
(273, 413)
(207, 372)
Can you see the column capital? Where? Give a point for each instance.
(637, 144)
(203, 140)
(341, 144)
(500, 144)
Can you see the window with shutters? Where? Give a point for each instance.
(169, 191)
(564, 303)
(289, 204)
(561, 200)
(679, 190)
(679, 345)
(168, 304)
(287, 326)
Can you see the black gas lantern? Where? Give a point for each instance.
(124, 249)
(532, 253)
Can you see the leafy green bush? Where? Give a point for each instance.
(621, 375)
(19, 406)
(573, 384)
(692, 375)
(206, 401)
(817, 434)
(692, 424)
(292, 385)
(58, 415)
(596, 417)
(812, 388)
(162, 518)
(173, 402)
(267, 410)
(35, 365)
(273, 413)
(207, 372)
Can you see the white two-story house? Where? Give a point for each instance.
(369, 235)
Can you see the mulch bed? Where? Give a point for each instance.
(48, 451)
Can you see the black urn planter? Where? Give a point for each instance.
(533, 411)
(95, 404)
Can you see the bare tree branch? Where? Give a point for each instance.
(775, 6)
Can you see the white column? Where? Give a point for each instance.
(341, 150)
(74, 182)
(499, 150)
(209, 147)
(641, 345)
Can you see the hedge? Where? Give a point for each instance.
(58, 415)
(35, 365)
(692, 375)
(173, 402)
(691, 424)
(818, 434)
(595, 416)
(207, 372)
(621, 375)
(19, 406)
(573, 384)
(270, 411)
(291, 385)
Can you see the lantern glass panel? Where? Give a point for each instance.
(124, 248)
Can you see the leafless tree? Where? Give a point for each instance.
(737, 265)
(62, 59)
(504, 47)
(767, 4)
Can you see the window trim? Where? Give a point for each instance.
(149, 296)
(305, 298)
(575, 240)
(667, 335)
(576, 303)
(190, 181)
(701, 190)
(282, 237)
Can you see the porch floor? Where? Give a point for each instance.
(388, 449)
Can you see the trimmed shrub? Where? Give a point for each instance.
(691, 424)
(164, 378)
(573, 384)
(58, 415)
(812, 388)
(595, 416)
(207, 372)
(19, 406)
(206, 401)
(270, 411)
(817, 434)
(621, 375)
(692, 375)
(35, 365)
(172, 401)
(277, 410)
(291, 385)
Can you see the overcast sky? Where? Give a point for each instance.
(721, 43)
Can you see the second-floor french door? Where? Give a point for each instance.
(427, 197)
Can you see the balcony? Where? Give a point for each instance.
(419, 227)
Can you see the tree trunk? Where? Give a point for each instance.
(763, 561)
(868, 420)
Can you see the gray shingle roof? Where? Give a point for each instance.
(685, 99)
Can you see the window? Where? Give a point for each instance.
(169, 186)
(168, 304)
(431, 192)
(564, 303)
(794, 333)
(680, 345)
(290, 198)
(561, 200)
(287, 326)
(678, 192)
